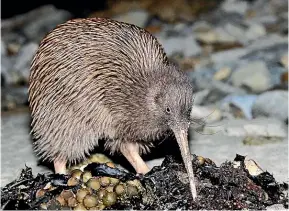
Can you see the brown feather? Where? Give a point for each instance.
(97, 79)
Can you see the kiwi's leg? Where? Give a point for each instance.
(60, 166)
(131, 152)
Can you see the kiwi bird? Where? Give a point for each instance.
(97, 78)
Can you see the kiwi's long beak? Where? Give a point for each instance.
(182, 139)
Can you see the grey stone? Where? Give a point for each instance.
(38, 28)
(267, 19)
(206, 114)
(16, 96)
(3, 48)
(236, 31)
(243, 102)
(217, 35)
(254, 76)
(13, 37)
(24, 58)
(137, 17)
(36, 23)
(268, 41)
(272, 104)
(186, 45)
(270, 54)
(217, 89)
(229, 56)
(268, 127)
(245, 34)
(9, 75)
(200, 96)
(255, 31)
(235, 6)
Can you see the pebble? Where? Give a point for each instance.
(36, 23)
(224, 37)
(222, 74)
(9, 76)
(284, 61)
(24, 58)
(137, 17)
(208, 114)
(13, 48)
(268, 41)
(185, 45)
(235, 6)
(255, 31)
(3, 48)
(235, 30)
(269, 127)
(47, 20)
(13, 97)
(272, 104)
(254, 76)
(200, 96)
(208, 37)
(243, 102)
(253, 168)
(229, 56)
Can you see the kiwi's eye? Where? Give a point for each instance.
(168, 110)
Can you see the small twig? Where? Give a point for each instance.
(19, 183)
(3, 207)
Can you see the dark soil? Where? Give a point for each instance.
(164, 187)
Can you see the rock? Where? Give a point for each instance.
(263, 127)
(235, 30)
(200, 97)
(255, 31)
(7, 72)
(13, 37)
(229, 56)
(284, 61)
(217, 89)
(268, 41)
(3, 48)
(13, 97)
(208, 36)
(218, 35)
(253, 168)
(24, 58)
(266, 19)
(272, 104)
(137, 17)
(36, 23)
(13, 48)
(243, 102)
(38, 28)
(254, 76)
(222, 74)
(235, 6)
(205, 114)
(186, 45)
(244, 35)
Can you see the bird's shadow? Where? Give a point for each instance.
(168, 146)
